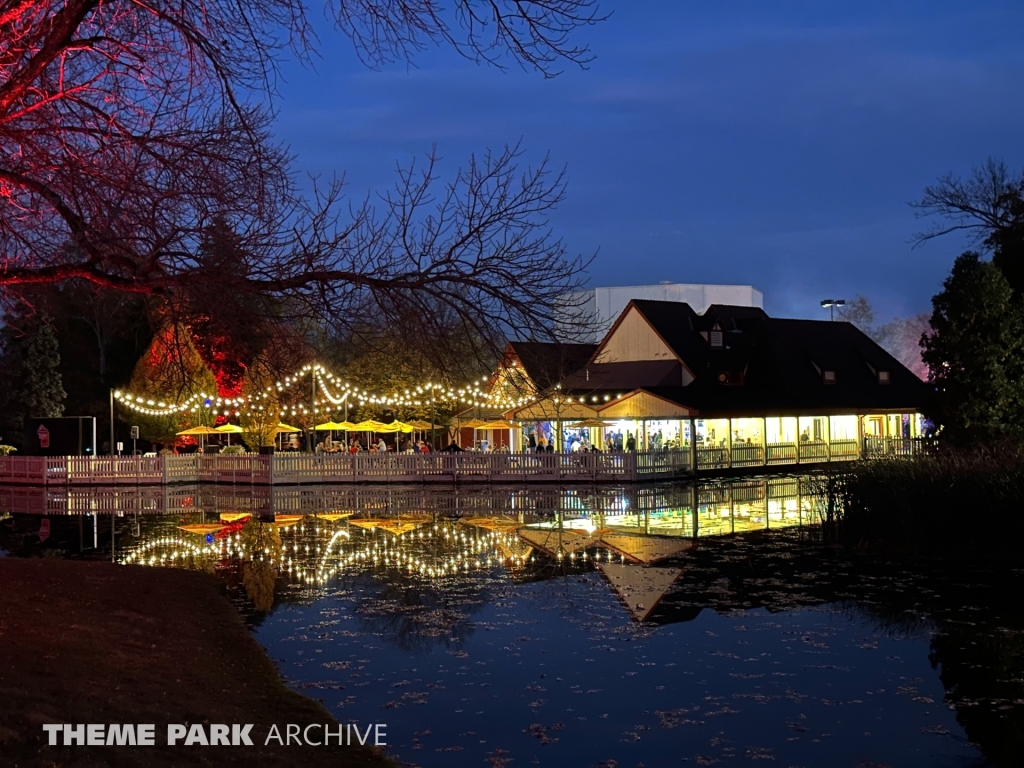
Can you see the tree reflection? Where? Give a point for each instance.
(259, 572)
(418, 615)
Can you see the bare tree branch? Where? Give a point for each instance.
(987, 201)
(126, 130)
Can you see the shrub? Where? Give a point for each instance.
(966, 501)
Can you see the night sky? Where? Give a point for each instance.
(776, 143)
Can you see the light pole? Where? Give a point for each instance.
(830, 305)
(111, 421)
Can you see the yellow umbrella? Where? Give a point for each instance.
(229, 430)
(421, 425)
(347, 426)
(199, 431)
(396, 426)
(284, 428)
(328, 426)
(499, 424)
(202, 528)
(368, 426)
(475, 424)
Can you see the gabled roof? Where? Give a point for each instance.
(764, 366)
(625, 376)
(728, 312)
(674, 321)
(549, 363)
(771, 364)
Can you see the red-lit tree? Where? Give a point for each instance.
(127, 129)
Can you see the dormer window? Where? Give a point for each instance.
(883, 377)
(829, 377)
(715, 339)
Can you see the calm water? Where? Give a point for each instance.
(659, 627)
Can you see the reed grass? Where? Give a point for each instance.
(966, 501)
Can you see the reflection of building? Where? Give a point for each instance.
(635, 536)
(731, 386)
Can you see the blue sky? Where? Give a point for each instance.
(776, 143)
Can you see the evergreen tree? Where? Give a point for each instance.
(43, 390)
(975, 353)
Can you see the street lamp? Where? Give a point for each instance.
(831, 304)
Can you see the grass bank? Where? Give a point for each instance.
(963, 502)
(98, 643)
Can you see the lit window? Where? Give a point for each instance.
(883, 377)
(829, 377)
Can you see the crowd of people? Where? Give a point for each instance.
(375, 444)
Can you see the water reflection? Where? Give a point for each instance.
(609, 624)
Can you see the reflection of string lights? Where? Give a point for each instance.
(379, 549)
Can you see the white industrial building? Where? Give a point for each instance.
(597, 308)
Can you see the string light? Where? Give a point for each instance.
(337, 391)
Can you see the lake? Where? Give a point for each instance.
(654, 626)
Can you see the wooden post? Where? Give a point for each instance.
(728, 448)
(796, 439)
(828, 439)
(693, 445)
(764, 442)
(694, 499)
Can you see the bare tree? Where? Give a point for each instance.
(988, 201)
(128, 127)
(988, 207)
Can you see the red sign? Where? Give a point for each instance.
(44, 436)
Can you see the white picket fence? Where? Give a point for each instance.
(299, 468)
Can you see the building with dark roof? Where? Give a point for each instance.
(732, 385)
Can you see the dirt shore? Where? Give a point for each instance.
(98, 643)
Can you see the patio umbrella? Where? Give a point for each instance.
(368, 426)
(229, 430)
(421, 425)
(234, 517)
(200, 432)
(201, 528)
(588, 423)
(494, 523)
(328, 426)
(475, 424)
(285, 429)
(396, 426)
(499, 424)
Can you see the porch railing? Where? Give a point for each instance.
(299, 468)
(878, 447)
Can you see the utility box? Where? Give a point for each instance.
(65, 436)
